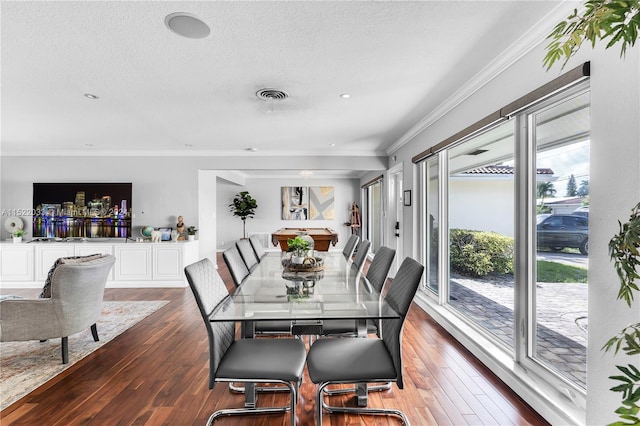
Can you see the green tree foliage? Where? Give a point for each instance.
(543, 190)
(478, 253)
(624, 249)
(616, 21)
(572, 187)
(583, 191)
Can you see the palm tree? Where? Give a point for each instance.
(545, 189)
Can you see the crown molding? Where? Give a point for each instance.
(523, 45)
(189, 153)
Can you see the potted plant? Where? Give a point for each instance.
(243, 206)
(191, 233)
(17, 235)
(299, 247)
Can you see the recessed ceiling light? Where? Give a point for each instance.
(90, 96)
(252, 149)
(187, 25)
(345, 96)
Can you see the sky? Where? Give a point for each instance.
(565, 161)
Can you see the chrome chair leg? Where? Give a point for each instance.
(374, 388)
(260, 389)
(321, 404)
(264, 410)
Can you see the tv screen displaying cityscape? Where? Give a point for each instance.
(82, 210)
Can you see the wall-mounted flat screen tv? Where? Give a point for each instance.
(82, 210)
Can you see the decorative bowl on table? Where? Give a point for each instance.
(309, 264)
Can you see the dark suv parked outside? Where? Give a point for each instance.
(558, 231)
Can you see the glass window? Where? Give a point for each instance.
(558, 340)
(481, 229)
(432, 225)
(373, 194)
(474, 189)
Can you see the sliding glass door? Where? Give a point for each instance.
(505, 222)
(481, 230)
(432, 223)
(374, 230)
(559, 137)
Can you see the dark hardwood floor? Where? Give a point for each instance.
(156, 373)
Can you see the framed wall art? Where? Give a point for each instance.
(321, 203)
(295, 202)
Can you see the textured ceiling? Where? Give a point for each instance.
(159, 92)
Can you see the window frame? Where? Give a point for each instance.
(525, 249)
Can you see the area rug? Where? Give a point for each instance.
(26, 365)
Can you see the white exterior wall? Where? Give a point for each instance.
(482, 204)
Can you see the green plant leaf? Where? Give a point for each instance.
(615, 21)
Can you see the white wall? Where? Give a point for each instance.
(163, 187)
(266, 191)
(614, 189)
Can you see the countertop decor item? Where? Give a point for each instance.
(191, 233)
(146, 231)
(13, 223)
(17, 235)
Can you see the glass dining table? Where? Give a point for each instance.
(306, 296)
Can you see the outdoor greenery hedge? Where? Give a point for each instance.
(478, 253)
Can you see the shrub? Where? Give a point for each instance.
(479, 253)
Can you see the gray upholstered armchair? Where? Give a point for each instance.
(77, 290)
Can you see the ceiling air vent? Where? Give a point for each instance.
(271, 95)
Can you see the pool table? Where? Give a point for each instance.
(321, 237)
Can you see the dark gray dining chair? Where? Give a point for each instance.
(340, 361)
(239, 271)
(257, 247)
(350, 246)
(361, 255)
(379, 267)
(248, 255)
(245, 360)
(236, 265)
(376, 276)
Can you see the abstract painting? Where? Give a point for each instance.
(321, 203)
(295, 203)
